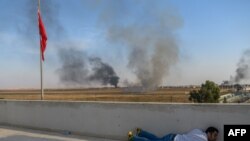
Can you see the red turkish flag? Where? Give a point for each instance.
(43, 35)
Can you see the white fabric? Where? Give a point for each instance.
(194, 135)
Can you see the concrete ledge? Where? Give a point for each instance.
(21, 134)
(113, 120)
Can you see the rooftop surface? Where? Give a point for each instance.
(21, 134)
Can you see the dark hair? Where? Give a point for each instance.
(211, 130)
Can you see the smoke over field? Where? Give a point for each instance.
(147, 33)
(151, 42)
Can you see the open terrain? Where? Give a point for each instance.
(101, 94)
(166, 94)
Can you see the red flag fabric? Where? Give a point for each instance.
(43, 35)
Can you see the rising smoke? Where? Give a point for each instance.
(149, 36)
(146, 29)
(78, 69)
(103, 72)
(74, 67)
(243, 68)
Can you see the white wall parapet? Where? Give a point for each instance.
(113, 120)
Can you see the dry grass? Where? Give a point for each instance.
(101, 94)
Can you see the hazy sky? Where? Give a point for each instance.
(211, 36)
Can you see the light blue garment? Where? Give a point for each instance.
(147, 136)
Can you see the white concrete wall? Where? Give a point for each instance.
(114, 120)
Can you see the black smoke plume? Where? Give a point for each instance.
(243, 68)
(146, 29)
(147, 32)
(74, 67)
(103, 72)
(79, 69)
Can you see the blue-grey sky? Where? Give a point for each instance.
(211, 36)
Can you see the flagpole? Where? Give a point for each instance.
(41, 63)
